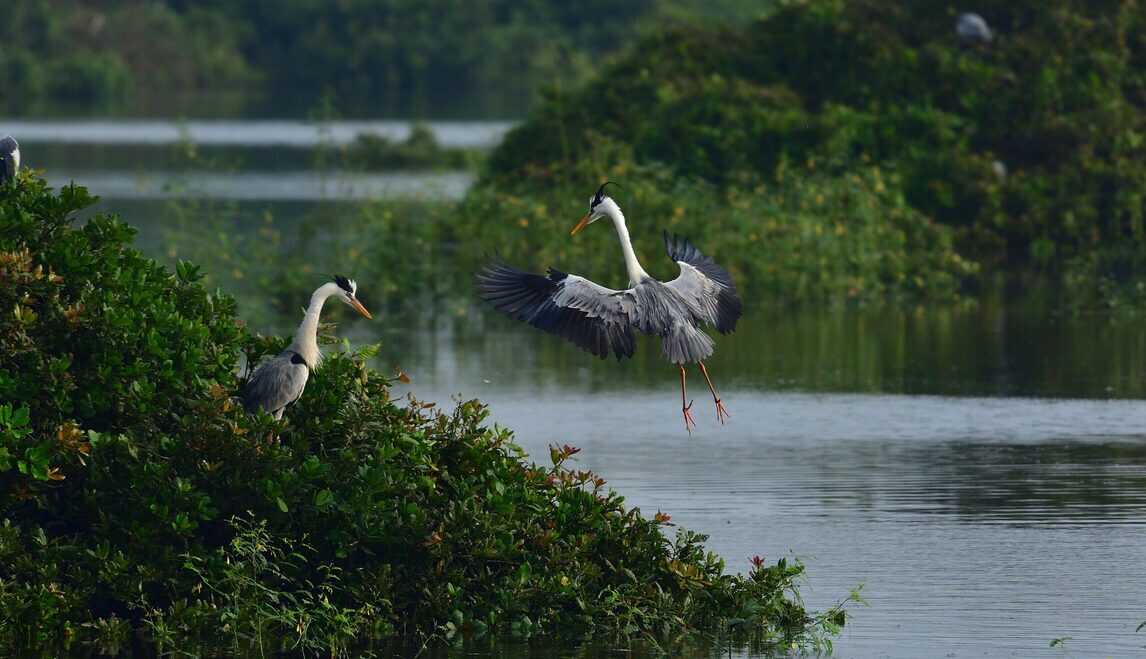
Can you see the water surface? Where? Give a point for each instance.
(982, 524)
(246, 132)
(295, 186)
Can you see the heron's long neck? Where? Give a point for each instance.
(306, 336)
(636, 272)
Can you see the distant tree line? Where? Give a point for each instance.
(406, 53)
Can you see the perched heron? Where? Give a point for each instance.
(9, 159)
(601, 320)
(279, 381)
(972, 29)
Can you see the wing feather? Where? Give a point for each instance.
(707, 287)
(276, 383)
(589, 315)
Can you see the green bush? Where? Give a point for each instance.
(420, 150)
(805, 233)
(1056, 99)
(142, 510)
(89, 77)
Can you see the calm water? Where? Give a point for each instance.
(240, 160)
(267, 186)
(980, 525)
(982, 472)
(245, 132)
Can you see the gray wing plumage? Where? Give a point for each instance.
(593, 317)
(705, 286)
(276, 383)
(9, 158)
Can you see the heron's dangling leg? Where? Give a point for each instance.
(689, 422)
(721, 412)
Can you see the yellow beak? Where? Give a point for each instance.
(580, 225)
(360, 309)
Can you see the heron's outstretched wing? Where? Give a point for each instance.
(706, 286)
(591, 316)
(276, 383)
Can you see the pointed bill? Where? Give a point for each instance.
(360, 309)
(580, 225)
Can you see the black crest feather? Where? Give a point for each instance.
(601, 192)
(343, 283)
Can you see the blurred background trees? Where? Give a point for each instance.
(361, 52)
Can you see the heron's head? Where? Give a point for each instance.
(600, 205)
(348, 289)
(9, 158)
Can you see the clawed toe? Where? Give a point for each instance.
(721, 412)
(689, 422)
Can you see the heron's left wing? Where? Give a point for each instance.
(706, 286)
(591, 316)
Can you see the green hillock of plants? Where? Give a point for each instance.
(1027, 153)
(141, 510)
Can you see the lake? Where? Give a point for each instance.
(981, 471)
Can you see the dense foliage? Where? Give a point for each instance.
(1030, 148)
(141, 508)
(403, 55)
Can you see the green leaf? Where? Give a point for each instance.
(323, 499)
(524, 572)
(282, 504)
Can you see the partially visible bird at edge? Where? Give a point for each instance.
(601, 320)
(279, 381)
(9, 159)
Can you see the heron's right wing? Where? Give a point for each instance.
(706, 286)
(591, 316)
(276, 383)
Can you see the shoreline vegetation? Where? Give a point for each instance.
(142, 511)
(398, 58)
(828, 153)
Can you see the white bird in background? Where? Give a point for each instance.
(9, 159)
(601, 320)
(971, 28)
(279, 381)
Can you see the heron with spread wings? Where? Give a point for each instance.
(601, 320)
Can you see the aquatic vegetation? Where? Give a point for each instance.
(142, 509)
(420, 150)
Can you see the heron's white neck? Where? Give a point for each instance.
(306, 336)
(632, 265)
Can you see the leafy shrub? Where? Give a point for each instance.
(89, 77)
(141, 509)
(420, 150)
(1056, 100)
(803, 234)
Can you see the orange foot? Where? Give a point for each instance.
(689, 422)
(721, 412)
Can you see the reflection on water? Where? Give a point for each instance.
(981, 525)
(998, 349)
(247, 132)
(268, 186)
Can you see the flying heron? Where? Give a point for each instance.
(279, 381)
(600, 319)
(9, 159)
